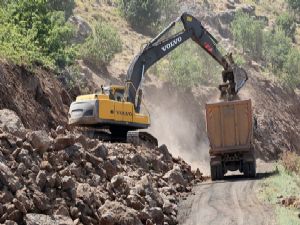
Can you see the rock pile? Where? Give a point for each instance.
(65, 178)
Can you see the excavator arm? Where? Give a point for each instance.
(157, 49)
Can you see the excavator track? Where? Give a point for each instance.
(137, 138)
(141, 138)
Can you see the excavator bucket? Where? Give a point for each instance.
(240, 77)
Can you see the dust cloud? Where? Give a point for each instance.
(178, 120)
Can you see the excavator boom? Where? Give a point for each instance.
(157, 48)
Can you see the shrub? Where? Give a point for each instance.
(292, 68)
(294, 5)
(286, 22)
(66, 6)
(140, 13)
(102, 45)
(34, 32)
(276, 48)
(146, 15)
(248, 33)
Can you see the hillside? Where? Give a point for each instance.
(51, 173)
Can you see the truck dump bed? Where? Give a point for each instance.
(229, 126)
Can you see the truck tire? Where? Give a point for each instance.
(216, 172)
(220, 173)
(252, 169)
(213, 173)
(246, 169)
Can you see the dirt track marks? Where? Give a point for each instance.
(229, 202)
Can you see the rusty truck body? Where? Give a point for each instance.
(230, 133)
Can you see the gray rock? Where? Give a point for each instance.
(111, 170)
(38, 219)
(20, 206)
(144, 187)
(41, 179)
(139, 161)
(175, 176)
(39, 140)
(117, 213)
(41, 201)
(165, 152)
(83, 28)
(226, 17)
(100, 151)
(10, 222)
(85, 192)
(135, 201)
(93, 159)
(67, 183)
(6, 197)
(250, 9)
(62, 210)
(157, 215)
(10, 122)
(62, 142)
(7, 178)
(22, 197)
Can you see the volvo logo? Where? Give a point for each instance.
(172, 44)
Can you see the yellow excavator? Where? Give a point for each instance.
(118, 108)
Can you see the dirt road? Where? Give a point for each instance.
(229, 202)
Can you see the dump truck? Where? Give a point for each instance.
(230, 133)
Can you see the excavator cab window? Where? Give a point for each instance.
(119, 95)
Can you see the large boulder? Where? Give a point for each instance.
(175, 176)
(37, 219)
(39, 140)
(83, 28)
(10, 122)
(100, 151)
(63, 141)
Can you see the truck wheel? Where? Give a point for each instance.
(246, 169)
(220, 172)
(252, 169)
(213, 173)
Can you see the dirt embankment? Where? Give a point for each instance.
(36, 96)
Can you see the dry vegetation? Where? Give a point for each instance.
(291, 162)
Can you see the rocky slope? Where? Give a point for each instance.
(37, 97)
(66, 178)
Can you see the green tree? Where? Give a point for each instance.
(286, 22)
(66, 6)
(248, 33)
(35, 32)
(276, 48)
(102, 45)
(148, 15)
(141, 13)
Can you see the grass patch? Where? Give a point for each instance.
(286, 216)
(282, 184)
